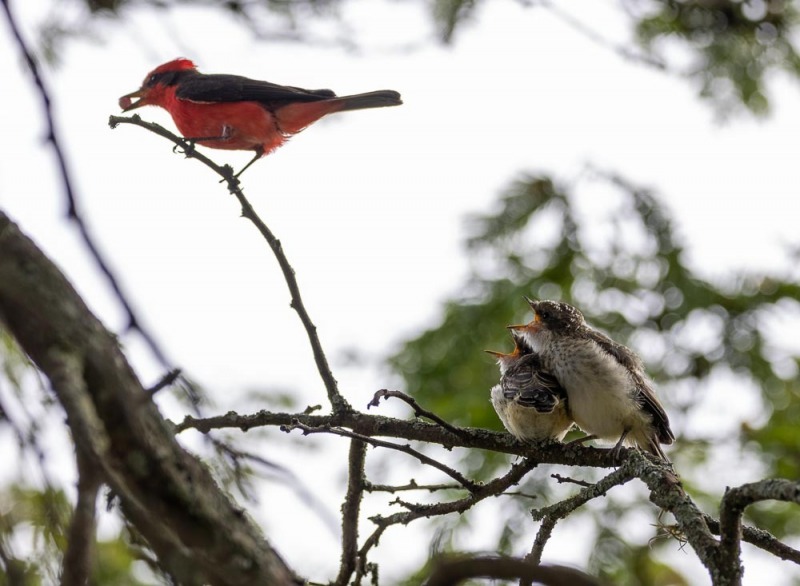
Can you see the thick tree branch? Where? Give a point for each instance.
(197, 532)
(77, 564)
(338, 402)
(350, 511)
(381, 426)
(761, 539)
(734, 502)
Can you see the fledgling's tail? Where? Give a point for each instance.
(653, 446)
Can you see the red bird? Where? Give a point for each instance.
(236, 113)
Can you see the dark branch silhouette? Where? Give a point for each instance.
(73, 208)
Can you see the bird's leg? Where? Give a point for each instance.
(618, 447)
(259, 152)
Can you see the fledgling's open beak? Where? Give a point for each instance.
(127, 104)
(532, 302)
(532, 325)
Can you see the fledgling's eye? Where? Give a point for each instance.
(151, 80)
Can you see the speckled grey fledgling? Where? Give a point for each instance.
(610, 396)
(529, 401)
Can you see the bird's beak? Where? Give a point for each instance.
(531, 326)
(127, 104)
(531, 302)
(496, 354)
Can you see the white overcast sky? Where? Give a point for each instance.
(369, 205)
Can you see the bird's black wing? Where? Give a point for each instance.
(646, 397)
(235, 88)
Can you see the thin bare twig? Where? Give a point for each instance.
(165, 381)
(566, 479)
(412, 485)
(492, 488)
(279, 473)
(549, 516)
(73, 211)
(338, 402)
(418, 410)
(406, 449)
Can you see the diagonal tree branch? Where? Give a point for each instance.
(406, 449)
(412, 402)
(492, 488)
(450, 572)
(73, 209)
(199, 535)
(549, 516)
(338, 402)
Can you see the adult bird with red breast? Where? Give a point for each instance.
(237, 113)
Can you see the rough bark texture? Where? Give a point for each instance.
(199, 535)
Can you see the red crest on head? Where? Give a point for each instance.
(179, 64)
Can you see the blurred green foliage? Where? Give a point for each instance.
(730, 48)
(624, 266)
(33, 529)
(735, 45)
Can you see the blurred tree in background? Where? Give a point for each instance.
(622, 263)
(625, 267)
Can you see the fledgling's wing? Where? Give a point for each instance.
(650, 404)
(622, 354)
(541, 399)
(646, 396)
(527, 383)
(198, 87)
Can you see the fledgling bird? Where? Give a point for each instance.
(529, 401)
(610, 396)
(236, 113)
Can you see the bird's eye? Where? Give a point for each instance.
(151, 80)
